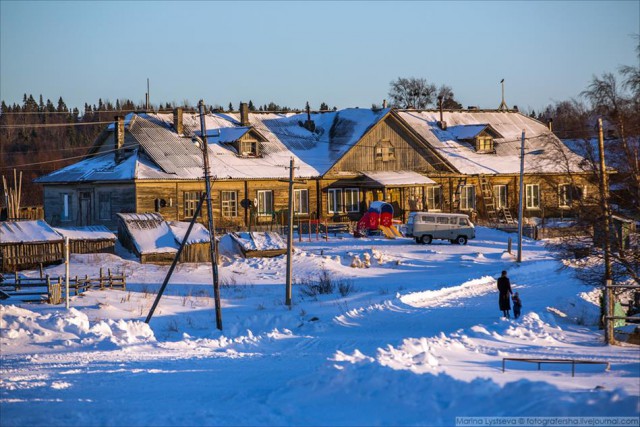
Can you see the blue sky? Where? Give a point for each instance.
(341, 53)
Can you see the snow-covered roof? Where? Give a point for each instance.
(260, 241)
(394, 178)
(27, 232)
(544, 152)
(150, 233)
(199, 233)
(90, 232)
(462, 132)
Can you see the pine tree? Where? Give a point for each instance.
(251, 106)
(324, 107)
(230, 107)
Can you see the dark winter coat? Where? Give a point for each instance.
(504, 287)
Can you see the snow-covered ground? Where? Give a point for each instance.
(417, 339)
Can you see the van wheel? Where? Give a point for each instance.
(461, 240)
(426, 239)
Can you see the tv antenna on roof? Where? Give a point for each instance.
(503, 105)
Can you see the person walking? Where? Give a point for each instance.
(504, 300)
(517, 305)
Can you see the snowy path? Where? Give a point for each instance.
(419, 342)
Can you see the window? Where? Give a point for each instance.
(430, 219)
(191, 199)
(301, 202)
(352, 199)
(464, 221)
(334, 201)
(442, 220)
(533, 196)
(415, 199)
(500, 196)
(484, 144)
(248, 148)
(384, 151)
(229, 202)
(568, 194)
(434, 198)
(104, 206)
(65, 214)
(265, 202)
(468, 197)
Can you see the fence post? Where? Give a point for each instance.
(509, 245)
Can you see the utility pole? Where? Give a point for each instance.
(212, 236)
(604, 204)
(289, 235)
(520, 201)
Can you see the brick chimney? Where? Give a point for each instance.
(118, 139)
(442, 124)
(244, 114)
(177, 121)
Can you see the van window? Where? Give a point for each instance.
(428, 219)
(453, 221)
(443, 220)
(464, 221)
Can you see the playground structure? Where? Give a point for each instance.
(377, 219)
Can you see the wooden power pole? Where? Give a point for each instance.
(289, 235)
(606, 235)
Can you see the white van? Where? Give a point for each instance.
(426, 226)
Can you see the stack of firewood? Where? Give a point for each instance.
(12, 195)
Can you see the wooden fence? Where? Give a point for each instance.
(53, 289)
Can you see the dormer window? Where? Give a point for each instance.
(480, 136)
(484, 144)
(248, 148)
(385, 151)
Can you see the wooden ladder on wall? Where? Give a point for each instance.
(455, 204)
(487, 200)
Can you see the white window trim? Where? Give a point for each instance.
(265, 212)
(335, 195)
(357, 202)
(65, 215)
(465, 206)
(497, 196)
(298, 195)
(529, 197)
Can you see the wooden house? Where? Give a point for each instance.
(465, 160)
(28, 244)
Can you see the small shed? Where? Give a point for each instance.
(148, 236)
(197, 247)
(89, 240)
(27, 244)
(256, 244)
(157, 241)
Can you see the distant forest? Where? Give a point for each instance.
(38, 137)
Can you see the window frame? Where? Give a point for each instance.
(500, 196)
(262, 200)
(228, 207)
(431, 196)
(100, 206)
(300, 198)
(384, 151)
(334, 198)
(532, 201)
(66, 213)
(348, 203)
(468, 203)
(190, 204)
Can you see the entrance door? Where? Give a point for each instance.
(84, 216)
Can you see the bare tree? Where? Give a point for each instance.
(448, 98)
(412, 92)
